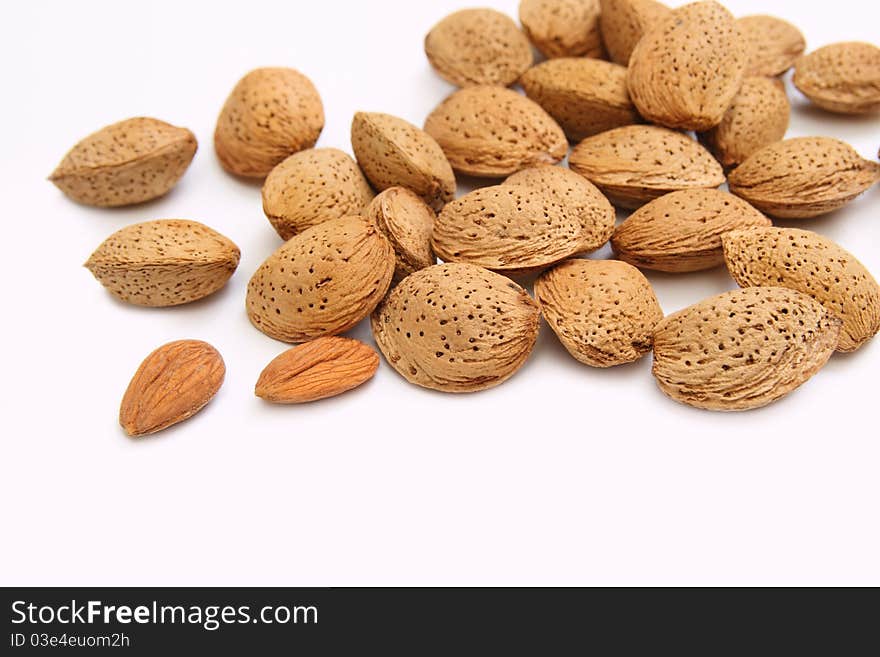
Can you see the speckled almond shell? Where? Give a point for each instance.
(585, 96)
(393, 152)
(322, 281)
(478, 46)
(810, 263)
(686, 70)
(311, 187)
(803, 177)
(758, 116)
(166, 262)
(636, 164)
(623, 22)
(842, 77)
(563, 28)
(129, 162)
(407, 221)
(456, 328)
(774, 44)
(603, 311)
(490, 132)
(681, 231)
(271, 114)
(743, 349)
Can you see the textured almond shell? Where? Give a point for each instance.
(803, 177)
(623, 23)
(585, 96)
(456, 328)
(603, 311)
(166, 262)
(636, 164)
(743, 349)
(686, 70)
(810, 263)
(129, 162)
(321, 368)
(563, 28)
(774, 44)
(492, 132)
(407, 221)
(173, 383)
(478, 46)
(393, 152)
(841, 77)
(322, 281)
(271, 114)
(682, 231)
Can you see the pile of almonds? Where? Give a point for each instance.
(621, 80)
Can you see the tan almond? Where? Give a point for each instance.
(682, 231)
(456, 327)
(603, 311)
(743, 349)
(623, 23)
(166, 262)
(393, 152)
(563, 28)
(842, 77)
(774, 44)
(636, 164)
(129, 162)
(585, 96)
(687, 69)
(407, 221)
(322, 281)
(758, 116)
(478, 46)
(324, 367)
(803, 177)
(490, 132)
(810, 263)
(271, 114)
(173, 383)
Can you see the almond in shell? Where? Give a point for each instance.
(407, 221)
(774, 44)
(563, 28)
(842, 77)
(623, 23)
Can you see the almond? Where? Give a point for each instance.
(687, 69)
(758, 116)
(681, 231)
(603, 311)
(842, 77)
(803, 177)
(324, 367)
(407, 221)
(271, 114)
(173, 383)
(166, 262)
(456, 328)
(563, 28)
(623, 23)
(492, 132)
(129, 162)
(585, 96)
(393, 152)
(322, 281)
(313, 186)
(810, 263)
(636, 164)
(774, 44)
(478, 46)
(743, 349)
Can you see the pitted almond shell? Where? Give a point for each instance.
(810, 263)
(129, 162)
(842, 77)
(623, 23)
(743, 349)
(456, 327)
(603, 311)
(407, 221)
(774, 44)
(322, 281)
(563, 28)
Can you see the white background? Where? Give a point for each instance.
(564, 475)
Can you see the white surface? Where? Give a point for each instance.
(563, 475)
